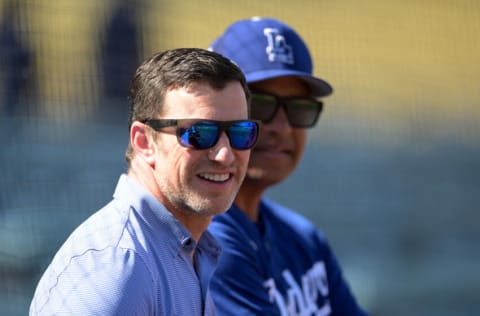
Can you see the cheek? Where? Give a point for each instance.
(243, 158)
(300, 136)
(172, 168)
(169, 155)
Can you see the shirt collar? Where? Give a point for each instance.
(156, 216)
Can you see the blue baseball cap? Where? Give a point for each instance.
(266, 48)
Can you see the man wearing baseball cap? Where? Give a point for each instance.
(275, 261)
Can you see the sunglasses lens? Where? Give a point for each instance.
(263, 107)
(205, 134)
(201, 135)
(303, 112)
(243, 135)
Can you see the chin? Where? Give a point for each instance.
(257, 176)
(255, 173)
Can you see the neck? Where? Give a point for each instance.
(248, 200)
(195, 224)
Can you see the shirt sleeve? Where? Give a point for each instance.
(111, 281)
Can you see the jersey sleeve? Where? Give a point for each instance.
(107, 282)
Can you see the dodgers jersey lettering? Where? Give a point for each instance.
(301, 299)
(281, 265)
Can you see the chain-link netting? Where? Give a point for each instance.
(391, 174)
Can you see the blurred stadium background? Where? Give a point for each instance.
(391, 174)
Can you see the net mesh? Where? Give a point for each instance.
(392, 166)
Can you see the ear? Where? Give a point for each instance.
(142, 142)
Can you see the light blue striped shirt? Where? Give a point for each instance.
(132, 257)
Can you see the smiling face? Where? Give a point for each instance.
(202, 182)
(280, 147)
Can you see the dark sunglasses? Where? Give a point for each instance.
(204, 134)
(302, 112)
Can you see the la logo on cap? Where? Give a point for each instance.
(278, 50)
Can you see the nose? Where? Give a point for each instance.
(222, 152)
(279, 123)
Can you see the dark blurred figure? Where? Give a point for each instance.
(120, 55)
(16, 71)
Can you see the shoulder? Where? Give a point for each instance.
(107, 228)
(287, 219)
(102, 242)
(90, 282)
(235, 233)
(232, 223)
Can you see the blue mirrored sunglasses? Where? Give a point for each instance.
(203, 134)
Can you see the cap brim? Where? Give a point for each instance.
(319, 87)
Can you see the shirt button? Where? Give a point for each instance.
(187, 242)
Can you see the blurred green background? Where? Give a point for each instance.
(391, 174)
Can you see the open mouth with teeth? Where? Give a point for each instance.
(215, 177)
